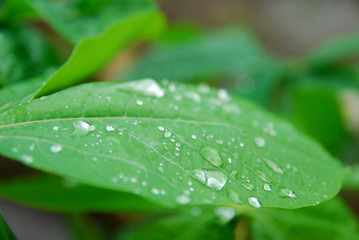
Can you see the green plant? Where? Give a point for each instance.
(198, 161)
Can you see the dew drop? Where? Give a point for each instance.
(183, 199)
(55, 128)
(267, 187)
(32, 147)
(56, 148)
(248, 186)
(273, 166)
(262, 176)
(223, 95)
(211, 178)
(285, 192)
(225, 214)
(212, 155)
(27, 158)
(194, 136)
(167, 134)
(254, 202)
(161, 128)
(155, 191)
(260, 142)
(110, 128)
(82, 128)
(147, 87)
(139, 102)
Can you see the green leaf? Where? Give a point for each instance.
(318, 111)
(336, 50)
(187, 224)
(91, 54)
(331, 220)
(5, 231)
(25, 54)
(352, 178)
(83, 228)
(76, 20)
(65, 195)
(233, 57)
(172, 144)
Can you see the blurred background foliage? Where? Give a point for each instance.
(299, 59)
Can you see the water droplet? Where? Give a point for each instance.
(27, 158)
(212, 155)
(161, 128)
(32, 147)
(267, 187)
(285, 192)
(262, 176)
(82, 128)
(194, 136)
(212, 178)
(193, 95)
(183, 199)
(223, 95)
(155, 191)
(56, 148)
(273, 166)
(254, 202)
(260, 142)
(229, 160)
(55, 128)
(225, 214)
(219, 141)
(147, 87)
(167, 134)
(248, 186)
(204, 89)
(139, 102)
(110, 128)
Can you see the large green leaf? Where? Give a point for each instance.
(331, 220)
(64, 195)
(24, 54)
(173, 144)
(234, 57)
(5, 232)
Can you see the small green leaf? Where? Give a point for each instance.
(91, 54)
(335, 51)
(173, 144)
(187, 224)
(5, 231)
(331, 220)
(65, 195)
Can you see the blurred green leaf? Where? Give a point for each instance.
(83, 228)
(91, 54)
(186, 224)
(232, 59)
(172, 144)
(5, 231)
(24, 54)
(80, 19)
(331, 220)
(352, 178)
(335, 51)
(317, 110)
(63, 195)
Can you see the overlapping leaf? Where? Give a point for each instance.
(173, 144)
(64, 195)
